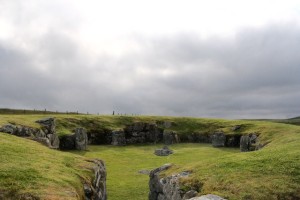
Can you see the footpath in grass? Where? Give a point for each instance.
(123, 164)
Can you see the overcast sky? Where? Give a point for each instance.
(219, 59)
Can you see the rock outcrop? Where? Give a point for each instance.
(141, 132)
(170, 137)
(21, 131)
(48, 129)
(218, 139)
(168, 188)
(118, 138)
(249, 143)
(78, 140)
(48, 125)
(165, 151)
(97, 190)
(199, 138)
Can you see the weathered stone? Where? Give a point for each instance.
(245, 143)
(9, 128)
(25, 131)
(165, 151)
(53, 141)
(48, 125)
(170, 137)
(118, 138)
(155, 185)
(81, 139)
(167, 188)
(218, 139)
(208, 197)
(189, 194)
(97, 189)
(140, 132)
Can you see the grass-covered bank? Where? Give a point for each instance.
(28, 169)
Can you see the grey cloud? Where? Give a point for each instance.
(255, 74)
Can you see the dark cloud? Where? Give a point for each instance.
(252, 75)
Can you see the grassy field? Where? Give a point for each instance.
(271, 173)
(123, 164)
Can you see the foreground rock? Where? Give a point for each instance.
(97, 189)
(168, 188)
(249, 143)
(165, 151)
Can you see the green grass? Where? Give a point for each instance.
(271, 173)
(27, 167)
(123, 164)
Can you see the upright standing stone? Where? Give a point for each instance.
(245, 143)
(81, 139)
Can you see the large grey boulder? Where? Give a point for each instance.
(245, 143)
(218, 139)
(53, 141)
(167, 188)
(165, 151)
(118, 138)
(81, 139)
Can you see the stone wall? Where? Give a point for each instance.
(97, 189)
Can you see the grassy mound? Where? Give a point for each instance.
(28, 169)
